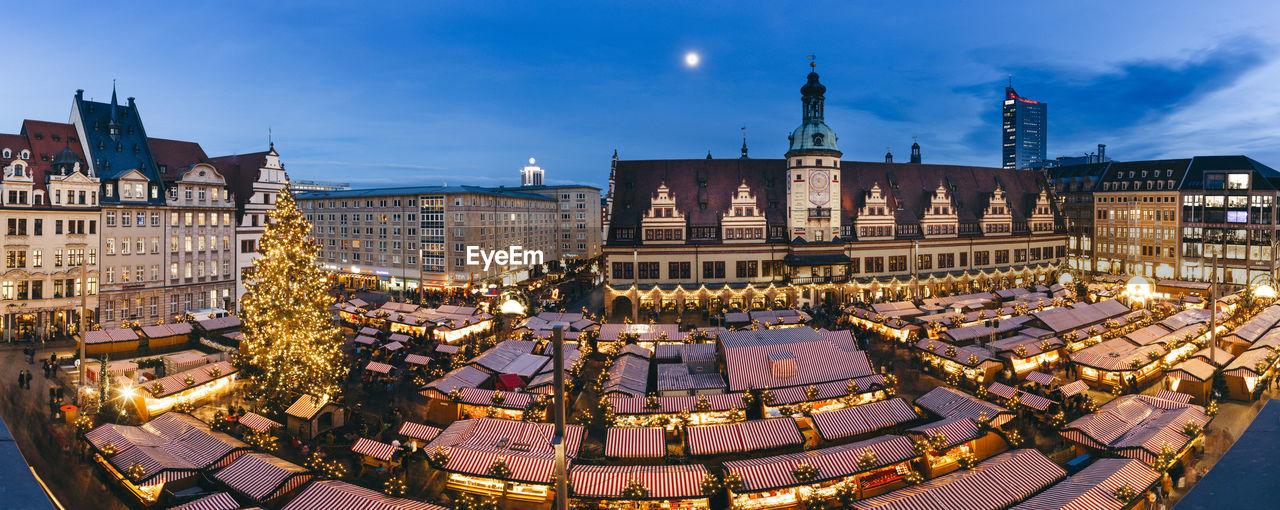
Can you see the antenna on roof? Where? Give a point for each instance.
(270, 142)
(1010, 80)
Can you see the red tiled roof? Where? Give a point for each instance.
(906, 184)
(240, 171)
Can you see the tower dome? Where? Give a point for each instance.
(65, 161)
(813, 134)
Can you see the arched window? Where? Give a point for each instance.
(26, 154)
(7, 154)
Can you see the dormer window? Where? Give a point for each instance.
(7, 154)
(26, 154)
(110, 188)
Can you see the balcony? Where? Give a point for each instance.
(819, 212)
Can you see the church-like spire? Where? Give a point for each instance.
(915, 151)
(812, 95)
(113, 125)
(744, 142)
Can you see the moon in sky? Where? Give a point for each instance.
(691, 59)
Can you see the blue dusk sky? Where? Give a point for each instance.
(386, 93)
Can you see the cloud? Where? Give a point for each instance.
(1089, 106)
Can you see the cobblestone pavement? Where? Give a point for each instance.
(47, 445)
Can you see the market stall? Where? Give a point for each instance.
(772, 482)
(852, 422)
(635, 443)
(263, 479)
(995, 484)
(744, 437)
(641, 487)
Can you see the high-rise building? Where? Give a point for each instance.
(531, 174)
(1025, 131)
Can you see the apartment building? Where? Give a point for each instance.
(403, 239)
(1171, 218)
(256, 180)
(50, 212)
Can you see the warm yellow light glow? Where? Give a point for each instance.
(1265, 292)
(512, 306)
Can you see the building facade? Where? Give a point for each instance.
(49, 208)
(256, 180)
(1024, 131)
(305, 185)
(1170, 219)
(153, 223)
(813, 229)
(404, 239)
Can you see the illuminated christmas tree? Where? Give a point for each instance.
(292, 345)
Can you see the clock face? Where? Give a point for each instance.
(819, 186)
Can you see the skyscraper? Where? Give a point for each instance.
(1026, 130)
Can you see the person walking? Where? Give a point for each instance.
(28, 379)
(22, 379)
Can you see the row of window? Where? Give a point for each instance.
(199, 269)
(18, 226)
(191, 301)
(35, 289)
(896, 264)
(75, 256)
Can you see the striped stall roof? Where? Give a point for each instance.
(957, 430)
(1245, 365)
(949, 403)
(1093, 488)
(462, 377)
(997, 483)
(858, 420)
(1040, 377)
(1002, 390)
(393, 346)
(330, 494)
(215, 501)
(262, 477)
(1136, 426)
(367, 340)
(417, 359)
(110, 335)
(826, 391)
(418, 431)
(632, 443)
(1180, 398)
(171, 446)
(1034, 401)
(750, 358)
(768, 473)
(177, 383)
(306, 407)
(663, 482)
(1194, 369)
(747, 436)
(1073, 388)
(381, 368)
(473, 445)
(368, 331)
(510, 399)
(672, 405)
(376, 449)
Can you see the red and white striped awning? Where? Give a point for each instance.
(858, 420)
(368, 331)
(748, 436)
(261, 477)
(418, 431)
(1073, 388)
(1094, 487)
(1034, 401)
(367, 340)
(768, 473)
(663, 482)
(1040, 377)
(673, 405)
(1180, 398)
(714, 439)
(381, 368)
(330, 494)
(216, 501)
(1002, 390)
(258, 422)
(826, 391)
(376, 449)
(393, 346)
(760, 435)
(956, 430)
(999, 482)
(648, 442)
(417, 359)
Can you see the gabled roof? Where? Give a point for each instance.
(240, 171)
(112, 156)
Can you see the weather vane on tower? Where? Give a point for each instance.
(813, 61)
